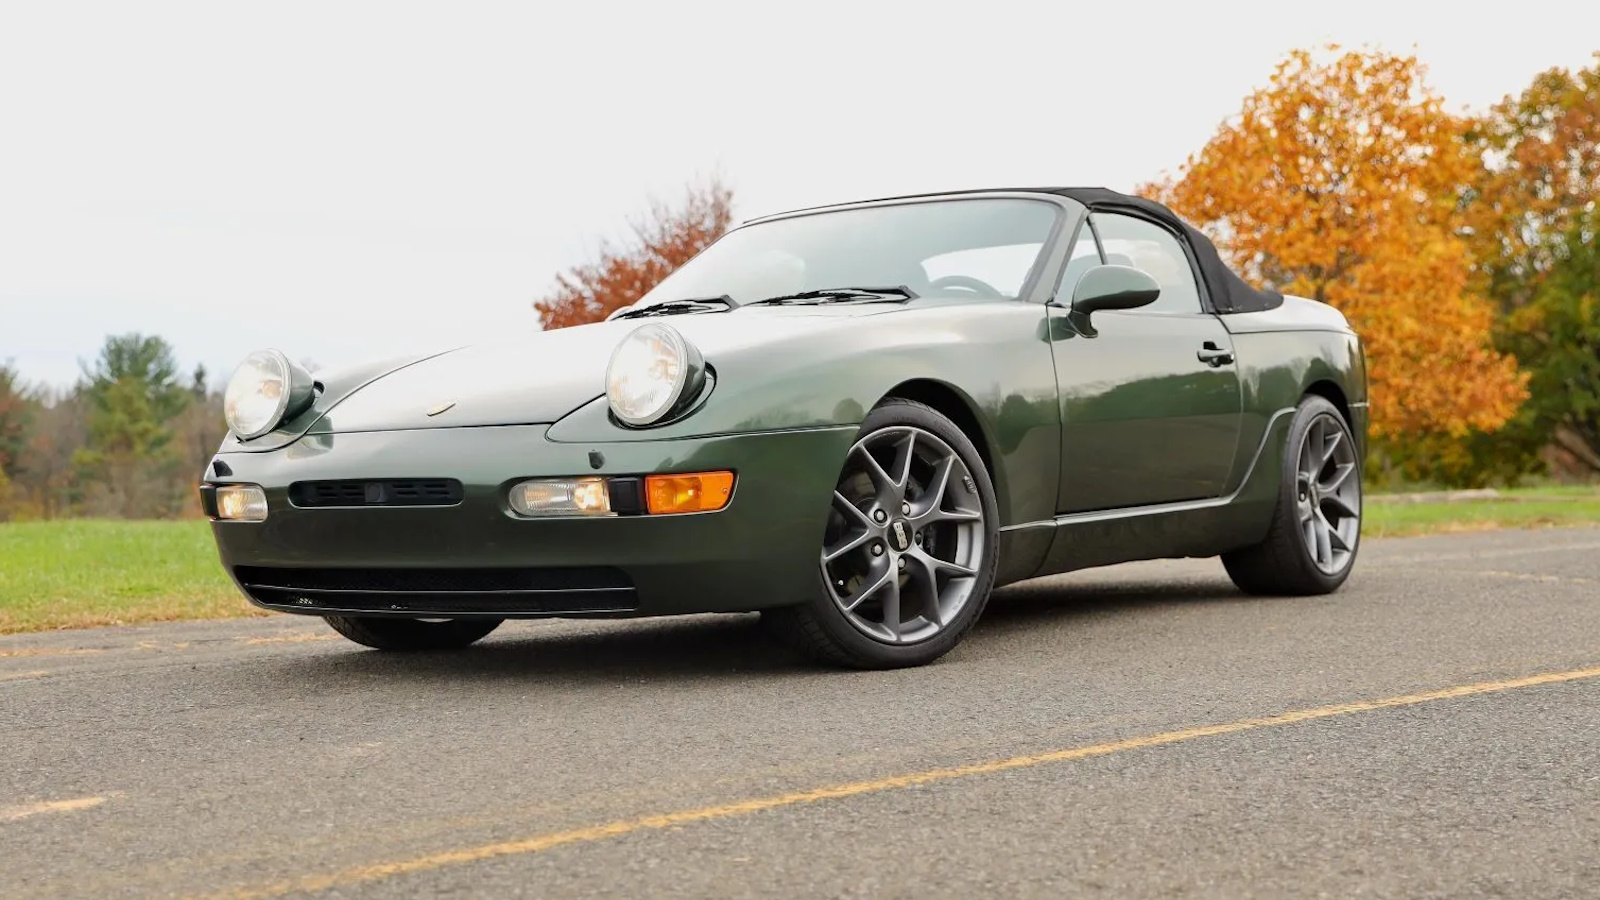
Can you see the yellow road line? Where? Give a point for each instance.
(161, 645)
(47, 651)
(13, 813)
(536, 844)
(1546, 579)
(290, 638)
(19, 676)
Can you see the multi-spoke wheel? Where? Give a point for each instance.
(907, 558)
(900, 556)
(1328, 493)
(1316, 526)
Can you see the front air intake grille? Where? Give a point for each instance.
(507, 592)
(376, 492)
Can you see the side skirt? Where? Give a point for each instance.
(1195, 528)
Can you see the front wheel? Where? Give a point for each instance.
(908, 555)
(1316, 526)
(412, 634)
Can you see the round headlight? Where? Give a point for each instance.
(652, 373)
(264, 390)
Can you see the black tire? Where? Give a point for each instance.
(412, 634)
(1284, 563)
(820, 629)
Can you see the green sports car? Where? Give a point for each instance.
(858, 419)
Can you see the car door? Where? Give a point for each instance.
(1150, 405)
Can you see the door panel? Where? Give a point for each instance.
(1144, 419)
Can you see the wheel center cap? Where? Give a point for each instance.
(899, 534)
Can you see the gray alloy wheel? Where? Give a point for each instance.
(1328, 493)
(908, 552)
(905, 536)
(1311, 544)
(384, 633)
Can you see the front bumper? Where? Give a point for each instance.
(475, 558)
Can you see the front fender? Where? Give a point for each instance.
(991, 356)
(336, 385)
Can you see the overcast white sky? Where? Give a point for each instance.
(340, 180)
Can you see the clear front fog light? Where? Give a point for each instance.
(561, 497)
(241, 503)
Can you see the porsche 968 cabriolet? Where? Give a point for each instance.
(858, 420)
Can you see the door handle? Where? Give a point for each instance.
(1213, 356)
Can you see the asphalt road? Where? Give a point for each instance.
(1431, 731)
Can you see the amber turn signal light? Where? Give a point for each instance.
(687, 493)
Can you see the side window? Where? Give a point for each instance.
(1085, 256)
(1154, 250)
(1003, 268)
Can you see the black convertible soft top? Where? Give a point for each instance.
(1228, 292)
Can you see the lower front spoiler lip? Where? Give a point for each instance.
(439, 604)
(506, 593)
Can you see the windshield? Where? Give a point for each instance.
(934, 248)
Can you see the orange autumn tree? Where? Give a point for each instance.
(664, 240)
(1341, 181)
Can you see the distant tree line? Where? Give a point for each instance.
(128, 440)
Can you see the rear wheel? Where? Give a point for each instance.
(412, 634)
(908, 555)
(1316, 527)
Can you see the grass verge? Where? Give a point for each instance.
(81, 573)
(1522, 508)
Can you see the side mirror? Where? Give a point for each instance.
(1109, 287)
(1113, 287)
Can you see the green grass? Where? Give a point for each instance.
(1521, 508)
(80, 573)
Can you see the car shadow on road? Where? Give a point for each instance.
(718, 646)
(612, 652)
(1046, 601)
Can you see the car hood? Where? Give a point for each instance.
(541, 376)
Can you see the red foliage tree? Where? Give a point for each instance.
(664, 240)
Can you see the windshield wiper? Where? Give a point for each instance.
(839, 295)
(674, 307)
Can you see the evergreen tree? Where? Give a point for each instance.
(133, 395)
